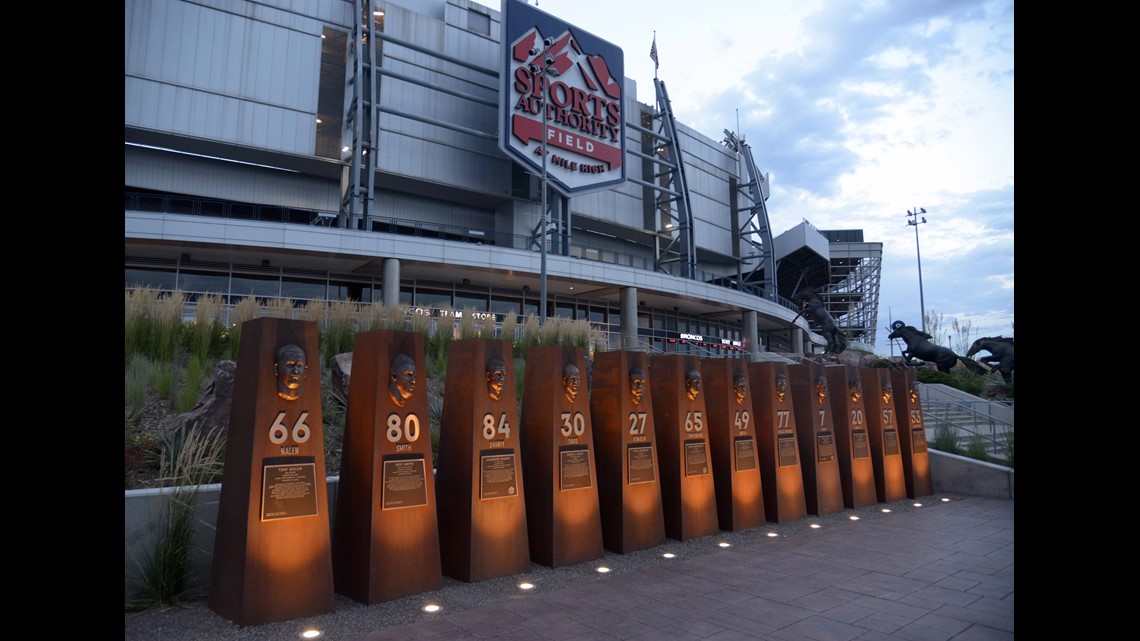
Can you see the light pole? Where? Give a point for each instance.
(916, 222)
(545, 70)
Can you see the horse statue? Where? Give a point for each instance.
(813, 307)
(1001, 354)
(919, 346)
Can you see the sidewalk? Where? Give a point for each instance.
(943, 571)
(937, 572)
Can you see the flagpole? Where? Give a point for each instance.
(654, 56)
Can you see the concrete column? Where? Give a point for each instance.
(797, 341)
(629, 318)
(750, 337)
(391, 283)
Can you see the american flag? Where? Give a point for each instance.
(653, 52)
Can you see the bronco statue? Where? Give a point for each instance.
(919, 346)
(812, 307)
(1001, 354)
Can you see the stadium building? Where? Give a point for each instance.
(392, 152)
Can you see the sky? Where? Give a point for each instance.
(858, 111)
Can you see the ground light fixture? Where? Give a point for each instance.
(945, 500)
(815, 526)
(603, 569)
(886, 510)
(526, 585)
(918, 504)
(853, 517)
(773, 534)
(669, 555)
(431, 607)
(724, 544)
(310, 634)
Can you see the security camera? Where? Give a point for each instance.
(548, 41)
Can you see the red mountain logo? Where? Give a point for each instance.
(576, 94)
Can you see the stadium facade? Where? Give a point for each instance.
(336, 149)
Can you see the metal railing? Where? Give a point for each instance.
(971, 421)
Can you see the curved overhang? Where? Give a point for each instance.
(341, 251)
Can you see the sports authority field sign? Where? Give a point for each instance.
(566, 83)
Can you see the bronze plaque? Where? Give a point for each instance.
(825, 443)
(918, 440)
(641, 464)
(860, 446)
(745, 453)
(574, 468)
(696, 458)
(786, 446)
(287, 491)
(404, 483)
(497, 475)
(891, 442)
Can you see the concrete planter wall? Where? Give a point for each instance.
(965, 475)
(142, 510)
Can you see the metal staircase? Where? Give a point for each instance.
(968, 419)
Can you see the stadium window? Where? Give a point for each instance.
(505, 305)
(155, 278)
(180, 205)
(479, 22)
(349, 290)
(241, 211)
(150, 202)
(214, 208)
(476, 302)
(298, 289)
(299, 216)
(429, 298)
(203, 282)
